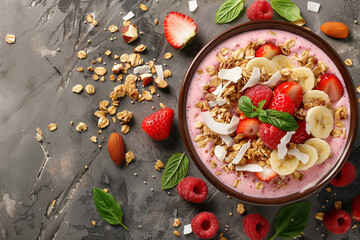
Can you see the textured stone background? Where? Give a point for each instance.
(36, 83)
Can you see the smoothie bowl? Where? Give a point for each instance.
(268, 112)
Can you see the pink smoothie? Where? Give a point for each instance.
(248, 180)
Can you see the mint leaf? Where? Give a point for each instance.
(229, 10)
(175, 170)
(247, 107)
(282, 120)
(287, 9)
(107, 207)
(261, 104)
(292, 220)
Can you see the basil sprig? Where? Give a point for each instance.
(281, 120)
(287, 9)
(175, 170)
(292, 220)
(229, 10)
(107, 207)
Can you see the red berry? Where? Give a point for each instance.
(179, 29)
(192, 189)
(158, 124)
(260, 10)
(205, 225)
(282, 103)
(259, 93)
(337, 221)
(293, 90)
(355, 211)
(267, 174)
(332, 86)
(268, 50)
(345, 176)
(255, 226)
(271, 135)
(249, 127)
(300, 135)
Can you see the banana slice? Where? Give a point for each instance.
(309, 150)
(322, 147)
(314, 95)
(261, 62)
(282, 61)
(304, 77)
(320, 120)
(285, 166)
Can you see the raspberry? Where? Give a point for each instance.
(355, 211)
(259, 93)
(158, 124)
(282, 103)
(255, 226)
(205, 225)
(300, 135)
(260, 10)
(192, 189)
(271, 135)
(345, 176)
(337, 221)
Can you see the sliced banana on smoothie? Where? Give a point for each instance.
(315, 95)
(322, 147)
(282, 61)
(320, 120)
(304, 77)
(313, 156)
(261, 62)
(284, 166)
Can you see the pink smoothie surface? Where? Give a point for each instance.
(248, 179)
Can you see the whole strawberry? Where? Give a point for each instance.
(158, 124)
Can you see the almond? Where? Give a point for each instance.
(146, 78)
(335, 29)
(116, 148)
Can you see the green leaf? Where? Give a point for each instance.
(107, 207)
(247, 107)
(261, 104)
(292, 220)
(175, 170)
(287, 9)
(282, 120)
(229, 10)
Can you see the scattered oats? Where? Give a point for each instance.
(224, 51)
(112, 110)
(176, 222)
(80, 69)
(152, 189)
(156, 21)
(200, 71)
(159, 164)
(99, 114)
(99, 59)
(354, 226)
(272, 33)
(100, 71)
(240, 208)
(52, 127)
(259, 185)
(153, 90)
(145, 182)
(349, 62)
(236, 183)
(112, 78)
(328, 189)
(77, 88)
(103, 122)
(113, 28)
(129, 156)
(167, 55)
(143, 7)
(95, 77)
(135, 174)
(94, 22)
(162, 105)
(124, 116)
(125, 129)
(114, 119)
(89, 18)
(81, 127)
(102, 79)
(90, 89)
(319, 216)
(93, 223)
(107, 53)
(167, 73)
(71, 123)
(147, 95)
(337, 204)
(90, 69)
(176, 233)
(139, 48)
(81, 54)
(93, 139)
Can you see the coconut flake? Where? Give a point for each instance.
(241, 152)
(220, 152)
(253, 80)
(313, 6)
(193, 5)
(218, 90)
(187, 229)
(307, 128)
(223, 88)
(233, 74)
(282, 149)
(129, 16)
(231, 127)
(249, 167)
(303, 157)
(212, 104)
(142, 69)
(273, 80)
(220, 102)
(159, 71)
(214, 126)
(229, 141)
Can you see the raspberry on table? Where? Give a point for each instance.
(271, 135)
(259, 93)
(205, 225)
(346, 176)
(282, 103)
(260, 10)
(337, 221)
(255, 226)
(355, 210)
(192, 189)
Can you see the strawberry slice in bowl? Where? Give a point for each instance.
(268, 50)
(180, 30)
(291, 89)
(332, 86)
(267, 174)
(249, 127)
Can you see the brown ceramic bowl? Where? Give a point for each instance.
(325, 47)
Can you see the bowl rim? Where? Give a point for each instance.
(319, 42)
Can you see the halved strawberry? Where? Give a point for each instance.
(332, 86)
(267, 174)
(268, 50)
(291, 89)
(249, 127)
(179, 29)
